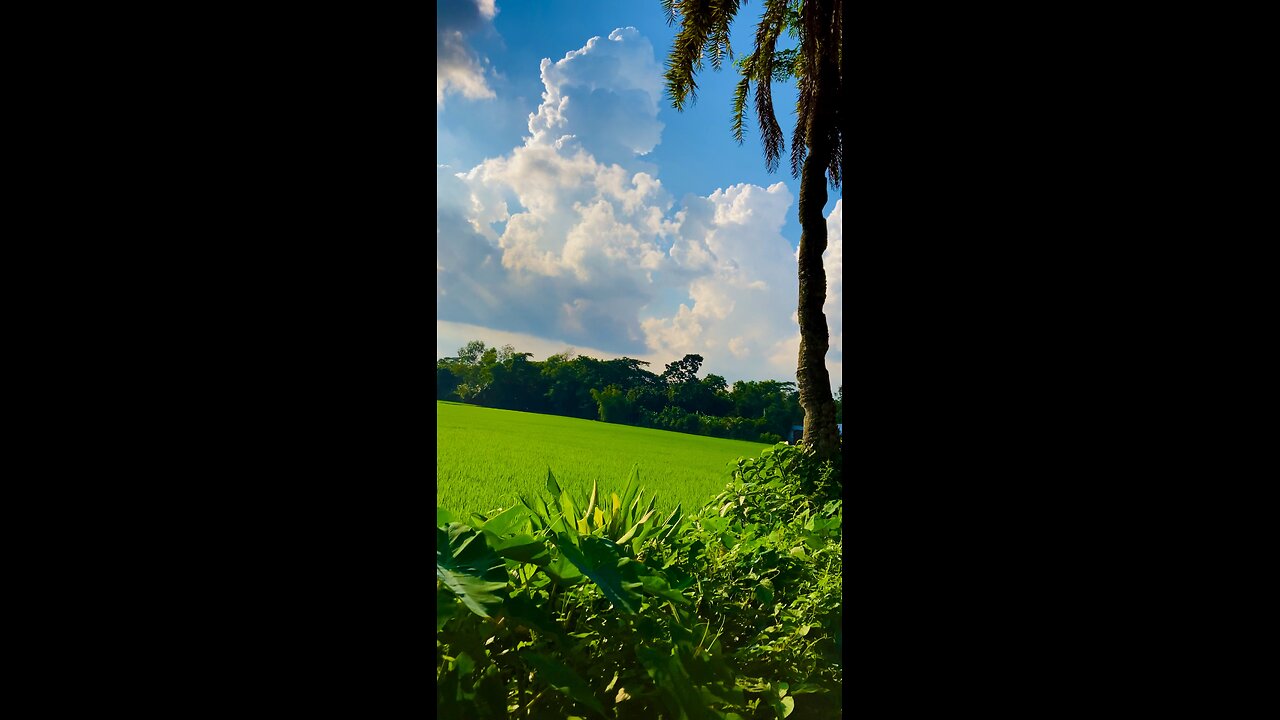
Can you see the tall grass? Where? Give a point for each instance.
(484, 457)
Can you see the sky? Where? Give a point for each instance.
(575, 208)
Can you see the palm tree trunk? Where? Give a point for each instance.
(812, 378)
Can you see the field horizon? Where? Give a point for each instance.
(485, 456)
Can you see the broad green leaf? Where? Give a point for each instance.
(561, 677)
(505, 521)
(631, 533)
(564, 572)
(599, 519)
(444, 517)
(553, 487)
(539, 521)
(470, 569)
(633, 511)
(788, 706)
(659, 587)
(672, 521)
(598, 558)
(524, 548)
(569, 508)
(617, 503)
(446, 607)
(630, 489)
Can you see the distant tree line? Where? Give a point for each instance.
(622, 391)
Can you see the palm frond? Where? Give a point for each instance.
(799, 136)
(687, 50)
(767, 32)
(669, 9)
(740, 105)
(704, 34)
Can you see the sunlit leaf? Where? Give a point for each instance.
(524, 548)
(505, 521)
(591, 504)
(444, 517)
(598, 559)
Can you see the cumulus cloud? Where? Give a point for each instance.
(566, 239)
(742, 299)
(560, 244)
(603, 97)
(458, 70)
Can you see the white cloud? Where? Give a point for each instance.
(458, 69)
(602, 97)
(744, 295)
(559, 241)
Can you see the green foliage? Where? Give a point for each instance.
(731, 612)
(618, 391)
(469, 568)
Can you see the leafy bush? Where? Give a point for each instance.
(734, 612)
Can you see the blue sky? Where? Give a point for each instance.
(577, 208)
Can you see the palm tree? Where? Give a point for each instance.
(816, 147)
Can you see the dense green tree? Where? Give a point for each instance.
(619, 391)
(471, 352)
(446, 383)
(816, 146)
(613, 405)
(518, 383)
(683, 370)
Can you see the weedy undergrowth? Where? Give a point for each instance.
(561, 608)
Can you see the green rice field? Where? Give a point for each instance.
(485, 456)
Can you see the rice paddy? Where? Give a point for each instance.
(484, 457)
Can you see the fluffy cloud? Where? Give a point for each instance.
(743, 296)
(457, 68)
(603, 96)
(566, 240)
